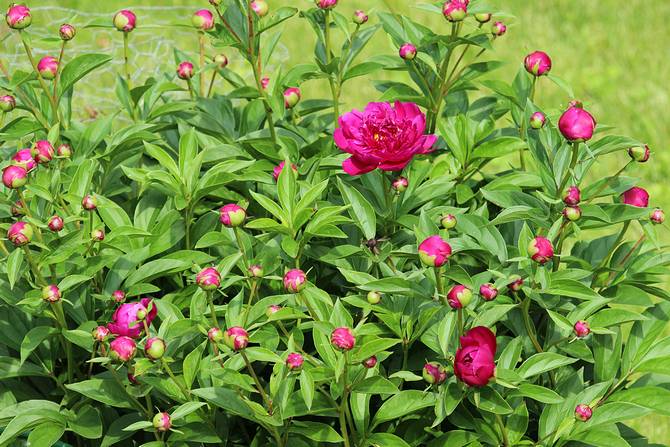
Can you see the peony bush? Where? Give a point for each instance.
(238, 259)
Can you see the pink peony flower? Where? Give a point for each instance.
(657, 216)
(498, 29)
(537, 63)
(434, 373)
(540, 250)
(232, 215)
(203, 20)
(295, 280)
(154, 348)
(236, 338)
(14, 177)
(294, 361)
(474, 363)
(636, 196)
(119, 296)
(162, 422)
(360, 17)
(18, 17)
(583, 412)
(122, 348)
(640, 154)
(459, 296)
(67, 31)
(343, 339)
(100, 333)
(577, 125)
(407, 51)
(20, 233)
(7, 103)
(448, 221)
(125, 20)
(260, 7)
(370, 362)
(42, 151)
(454, 10)
(537, 120)
(185, 70)
(572, 196)
(383, 136)
(48, 67)
(325, 4)
(208, 279)
(51, 293)
(291, 97)
(434, 251)
(280, 167)
(125, 320)
(582, 329)
(488, 292)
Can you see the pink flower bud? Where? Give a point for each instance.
(577, 125)
(255, 271)
(51, 293)
(636, 196)
(343, 339)
(488, 292)
(448, 221)
(42, 151)
(125, 21)
(89, 202)
(572, 196)
(572, 213)
(125, 321)
(208, 279)
(407, 51)
(374, 297)
(154, 348)
(483, 17)
(537, 63)
(122, 348)
(141, 314)
(7, 103)
(582, 329)
(20, 233)
(459, 296)
(203, 20)
(291, 97)
(221, 60)
(434, 251)
(537, 120)
(454, 10)
(516, 283)
(55, 224)
(325, 4)
(67, 31)
(232, 215)
(119, 296)
(540, 250)
(131, 376)
(271, 310)
(14, 177)
(260, 7)
(18, 17)
(185, 70)
(295, 280)
(215, 335)
(294, 361)
(64, 150)
(657, 216)
(583, 412)
(265, 81)
(370, 362)
(100, 333)
(498, 29)
(360, 17)
(25, 159)
(98, 235)
(48, 67)
(162, 422)
(280, 167)
(434, 373)
(236, 338)
(640, 154)
(400, 184)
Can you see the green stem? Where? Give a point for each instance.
(201, 42)
(38, 231)
(181, 387)
(503, 430)
(187, 219)
(211, 84)
(41, 80)
(122, 385)
(308, 305)
(57, 308)
(438, 95)
(260, 388)
(607, 183)
(126, 62)
(439, 284)
(525, 307)
(460, 322)
(240, 245)
(344, 406)
(210, 299)
(573, 163)
(252, 293)
(39, 279)
(334, 88)
(559, 247)
(190, 89)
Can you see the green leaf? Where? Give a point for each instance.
(79, 67)
(192, 364)
(386, 439)
(307, 387)
(375, 385)
(373, 347)
(490, 400)
(34, 338)
(538, 393)
(107, 391)
(361, 210)
(14, 264)
(572, 289)
(499, 147)
(402, 404)
(542, 362)
(46, 434)
(316, 431)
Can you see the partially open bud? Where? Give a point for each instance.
(272, 309)
(154, 348)
(400, 184)
(51, 293)
(488, 292)
(294, 361)
(265, 81)
(448, 221)
(343, 339)
(657, 216)
(360, 17)
(434, 251)
(42, 151)
(407, 51)
(291, 97)
(483, 17)
(89, 202)
(18, 17)
(185, 70)
(100, 333)
(572, 196)
(215, 335)
(459, 296)
(14, 177)
(577, 125)
(236, 338)
(636, 196)
(7, 103)
(582, 329)
(325, 4)
(255, 271)
(98, 235)
(67, 31)
(48, 67)
(25, 159)
(498, 29)
(540, 250)
(55, 224)
(640, 154)
(374, 297)
(64, 150)
(208, 279)
(203, 20)
(516, 283)
(125, 21)
(370, 362)
(454, 10)
(119, 296)
(583, 412)
(434, 373)
(260, 7)
(537, 120)
(537, 63)
(122, 348)
(20, 233)
(280, 167)
(221, 60)
(295, 281)
(162, 422)
(232, 215)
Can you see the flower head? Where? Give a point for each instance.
(374, 297)
(154, 348)
(265, 81)
(215, 335)
(236, 338)
(488, 292)
(325, 4)
(18, 17)
(255, 271)
(271, 310)
(434, 373)
(657, 216)
(483, 17)
(541, 250)
(295, 280)
(294, 361)
(572, 213)
(260, 7)
(407, 51)
(7, 103)
(162, 422)
(537, 63)
(360, 17)
(221, 60)
(125, 319)
(89, 202)
(14, 177)
(280, 167)
(119, 296)
(448, 221)
(125, 20)
(636, 196)
(55, 224)
(516, 283)
(185, 70)
(100, 333)
(576, 124)
(51, 293)
(454, 10)
(498, 29)
(583, 412)
(48, 67)
(370, 362)
(434, 251)
(203, 20)
(640, 154)
(20, 233)
(122, 348)
(208, 279)
(343, 339)
(67, 31)
(383, 136)
(474, 362)
(582, 329)
(291, 97)
(459, 296)
(572, 196)
(42, 151)
(232, 215)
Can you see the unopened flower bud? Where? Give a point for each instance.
(64, 150)
(498, 29)
(236, 338)
(221, 60)
(483, 17)
(7, 103)
(516, 283)
(636, 196)
(20, 233)
(325, 4)
(154, 348)
(271, 310)
(657, 216)
(25, 159)
(125, 20)
(162, 422)
(260, 7)
(374, 297)
(370, 362)
(255, 271)
(407, 51)
(291, 97)
(265, 81)
(48, 67)
(100, 333)
(203, 20)
(434, 251)
(572, 196)
(18, 17)
(583, 412)
(360, 17)
(572, 213)
(537, 63)
(582, 329)
(537, 120)
(459, 296)
(14, 177)
(98, 235)
(51, 293)
(122, 348)
(540, 250)
(119, 296)
(434, 373)
(294, 361)
(343, 339)
(208, 279)
(640, 154)
(215, 335)
(185, 70)
(454, 10)
(89, 202)
(576, 124)
(232, 215)
(42, 151)
(280, 167)
(55, 224)
(448, 221)
(67, 31)
(18, 208)
(295, 281)
(488, 292)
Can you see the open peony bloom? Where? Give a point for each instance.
(459, 296)
(125, 20)
(122, 348)
(125, 320)
(18, 17)
(540, 250)
(383, 136)
(475, 358)
(537, 63)
(576, 124)
(434, 251)
(343, 339)
(25, 159)
(434, 373)
(203, 20)
(636, 196)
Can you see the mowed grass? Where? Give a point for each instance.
(613, 53)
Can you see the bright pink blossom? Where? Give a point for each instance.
(474, 363)
(232, 215)
(125, 320)
(18, 17)
(576, 124)
(20, 233)
(434, 251)
(48, 67)
(636, 196)
(42, 151)
(295, 280)
(343, 339)
(208, 278)
(488, 292)
(14, 176)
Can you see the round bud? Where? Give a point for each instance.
(295, 281)
(400, 184)
(407, 51)
(260, 7)
(343, 339)
(232, 215)
(294, 361)
(325, 4)
(125, 20)
(7, 103)
(208, 279)
(221, 60)
(537, 63)
(498, 29)
(360, 17)
(657, 216)
(459, 296)
(572, 196)
(55, 224)
(154, 348)
(203, 20)
(582, 329)
(119, 296)
(215, 335)
(64, 150)
(100, 333)
(42, 151)
(434, 373)
(540, 250)
(488, 292)
(18, 17)
(640, 154)
(51, 293)
(291, 97)
(572, 213)
(255, 271)
(454, 10)
(434, 251)
(25, 159)
(516, 283)
(14, 177)
(67, 31)
(265, 81)
(89, 202)
(277, 170)
(122, 348)
(448, 221)
(48, 67)
(537, 120)
(483, 17)
(370, 362)
(583, 412)
(20, 233)
(162, 422)
(185, 70)
(98, 235)
(374, 297)
(236, 338)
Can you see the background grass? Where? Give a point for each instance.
(612, 52)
